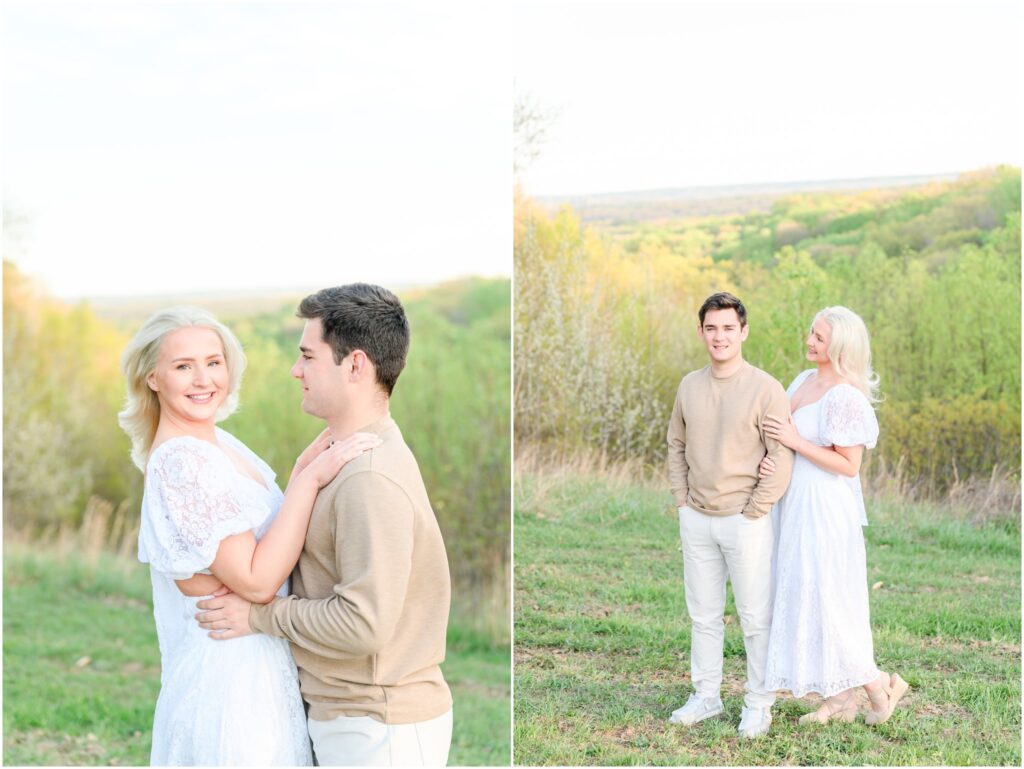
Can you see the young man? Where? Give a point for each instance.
(716, 441)
(369, 614)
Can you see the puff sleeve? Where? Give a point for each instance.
(189, 505)
(847, 418)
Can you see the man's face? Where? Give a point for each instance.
(723, 335)
(323, 381)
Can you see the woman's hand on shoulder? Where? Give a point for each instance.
(784, 431)
(312, 451)
(328, 463)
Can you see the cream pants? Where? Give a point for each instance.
(738, 548)
(364, 741)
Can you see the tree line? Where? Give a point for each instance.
(63, 449)
(606, 316)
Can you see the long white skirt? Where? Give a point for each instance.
(820, 639)
(224, 703)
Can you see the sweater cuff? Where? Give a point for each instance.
(261, 617)
(752, 510)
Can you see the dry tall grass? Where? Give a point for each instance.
(111, 533)
(977, 499)
(996, 498)
(104, 530)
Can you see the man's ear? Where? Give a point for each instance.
(744, 332)
(358, 362)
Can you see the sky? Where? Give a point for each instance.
(154, 148)
(653, 96)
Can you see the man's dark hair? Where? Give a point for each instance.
(361, 316)
(723, 301)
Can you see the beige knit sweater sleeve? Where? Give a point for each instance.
(373, 557)
(769, 490)
(677, 466)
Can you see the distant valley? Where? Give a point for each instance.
(724, 200)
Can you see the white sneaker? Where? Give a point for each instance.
(754, 722)
(696, 709)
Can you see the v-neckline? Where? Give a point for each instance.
(807, 405)
(261, 482)
(818, 400)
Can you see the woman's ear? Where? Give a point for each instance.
(151, 381)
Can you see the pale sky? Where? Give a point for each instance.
(162, 147)
(166, 147)
(680, 94)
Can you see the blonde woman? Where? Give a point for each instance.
(820, 638)
(213, 519)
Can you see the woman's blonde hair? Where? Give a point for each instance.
(849, 349)
(141, 413)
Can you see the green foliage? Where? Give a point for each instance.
(787, 298)
(606, 315)
(453, 405)
(62, 391)
(965, 435)
(594, 327)
(61, 395)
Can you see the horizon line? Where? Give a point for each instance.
(905, 178)
(252, 292)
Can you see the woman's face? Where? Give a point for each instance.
(191, 377)
(818, 340)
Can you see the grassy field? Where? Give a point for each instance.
(82, 668)
(602, 639)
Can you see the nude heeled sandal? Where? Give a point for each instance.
(894, 689)
(843, 708)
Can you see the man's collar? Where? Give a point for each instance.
(381, 425)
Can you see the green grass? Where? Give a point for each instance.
(82, 667)
(602, 639)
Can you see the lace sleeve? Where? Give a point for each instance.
(190, 506)
(847, 418)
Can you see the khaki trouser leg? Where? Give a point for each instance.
(748, 545)
(738, 548)
(704, 575)
(364, 741)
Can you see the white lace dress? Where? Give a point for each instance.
(232, 702)
(820, 638)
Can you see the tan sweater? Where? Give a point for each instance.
(369, 614)
(716, 442)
